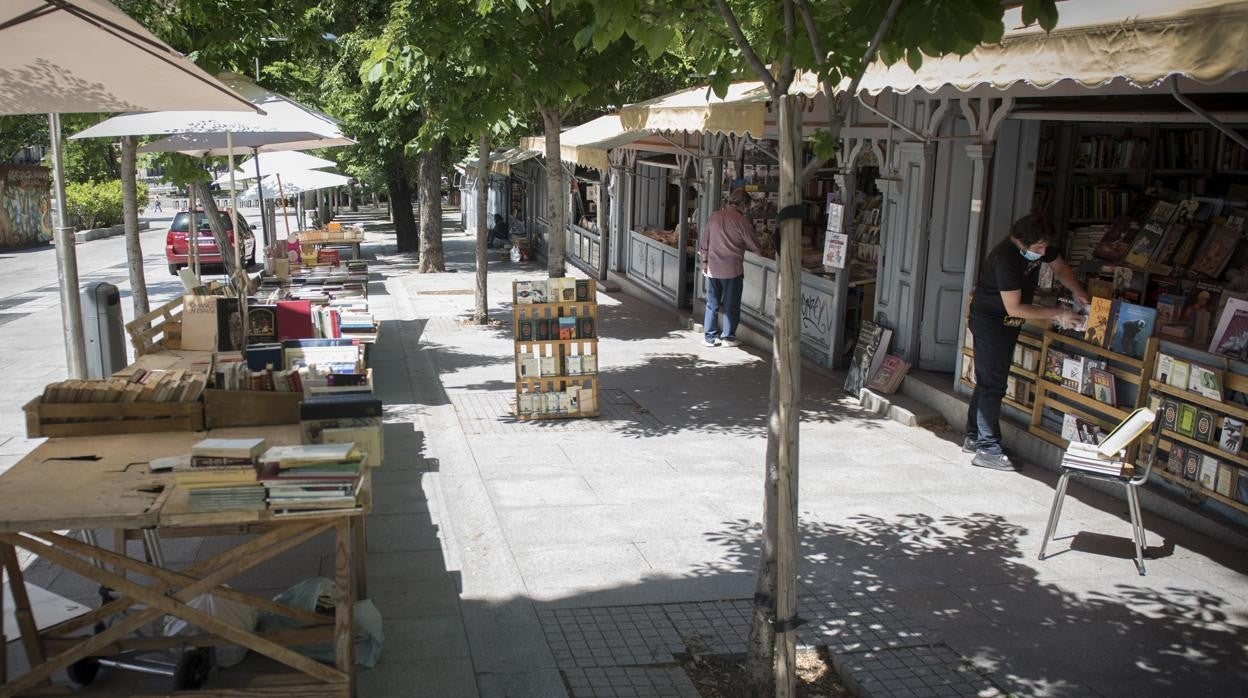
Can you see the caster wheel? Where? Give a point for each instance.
(83, 671)
(193, 669)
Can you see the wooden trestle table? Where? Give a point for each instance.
(104, 482)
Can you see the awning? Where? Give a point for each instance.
(587, 144)
(500, 161)
(1095, 42)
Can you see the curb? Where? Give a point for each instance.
(111, 231)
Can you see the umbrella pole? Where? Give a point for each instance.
(240, 269)
(264, 215)
(67, 263)
(192, 230)
(281, 193)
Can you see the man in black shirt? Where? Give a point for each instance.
(1002, 302)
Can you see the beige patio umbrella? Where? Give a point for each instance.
(70, 56)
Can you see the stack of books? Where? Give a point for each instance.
(221, 475)
(312, 476)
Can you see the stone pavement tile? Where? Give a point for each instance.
(912, 672)
(883, 573)
(436, 596)
(937, 608)
(1070, 600)
(848, 622)
(546, 491)
(428, 637)
(400, 498)
(847, 476)
(555, 572)
(385, 476)
(532, 528)
(284, 570)
(602, 636)
(630, 682)
(712, 627)
(389, 533)
(406, 565)
(670, 487)
(510, 456)
(1140, 657)
(444, 678)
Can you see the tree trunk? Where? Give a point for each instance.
(786, 357)
(130, 216)
(556, 195)
(481, 313)
(204, 196)
(761, 649)
(431, 257)
(399, 201)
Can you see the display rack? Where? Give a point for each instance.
(554, 377)
(1130, 374)
(1219, 474)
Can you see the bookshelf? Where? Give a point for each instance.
(556, 348)
(1130, 374)
(1204, 468)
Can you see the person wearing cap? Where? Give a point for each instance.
(722, 253)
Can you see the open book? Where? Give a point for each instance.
(1106, 457)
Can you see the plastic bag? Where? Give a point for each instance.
(239, 615)
(316, 594)
(515, 253)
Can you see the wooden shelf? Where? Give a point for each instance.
(557, 341)
(555, 415)
(1210, 448)
(1021, 407)
(1198, 399)
(1081, 399)
(1092, 349)
(572, 378)
(1197, 489)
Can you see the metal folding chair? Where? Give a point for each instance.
(1131, 482)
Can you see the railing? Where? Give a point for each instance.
(654, 265)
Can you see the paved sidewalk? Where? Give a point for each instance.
(584, 557)
(626, 541)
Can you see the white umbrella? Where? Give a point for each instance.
(269, 190)
(277, 162)
(71, 56)
(284, 120)
(309, 180)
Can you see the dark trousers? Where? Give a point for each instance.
(994, 350)
(722, 295)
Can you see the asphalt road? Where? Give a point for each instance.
(32, 345)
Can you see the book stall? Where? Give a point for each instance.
(266, 425)
(556, 336)
(1153, 220)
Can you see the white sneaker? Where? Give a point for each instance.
(710, 342)
(731, 342)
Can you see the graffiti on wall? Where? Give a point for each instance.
(25, 205)
(816, 314)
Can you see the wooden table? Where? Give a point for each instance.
(104, 482)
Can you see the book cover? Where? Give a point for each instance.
(1053, 365)
(262, 356)
(1216, 251)
(261, 324)
(1177, 459)
(528, 366)
(567, 290)
(585, 328)
(245, 448)
(1163, 369)
(1232, 437)
(870, 340)
(1103, 387)
(1205, 381)
(1191, 464)
(1229, 339)
(524, 331)
(1189, 243)
(582, 290)
(367, 439)
(1169, 307)
(890, 374)
(1117, 239)
(589, 363)
(1170, 414)
(1098, 321)
(1145, 244)
(541, 329)
(1180, 372)
(199, 323)
(340, 405)
(1132, 328)
(229, 325)
(567, 327)
(572, 364)
(1070, 427)
(294, 320)
(1072, 373)
(523, 292)
(548, 366)
(1203, 431)
(1187, 419)
(1240, 493)
(1226, 480)
(1208, 474)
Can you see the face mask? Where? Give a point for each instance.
(1030, 256)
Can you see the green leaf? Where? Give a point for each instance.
(914, 59)
(1048, 15)
(377, 72)
(583, 37)
(994, 30)
(1030, 12)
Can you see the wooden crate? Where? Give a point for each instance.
(250, 408)
(99, 418)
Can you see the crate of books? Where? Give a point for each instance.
(556, 368)
(147, 401)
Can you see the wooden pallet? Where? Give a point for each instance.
(100, 418)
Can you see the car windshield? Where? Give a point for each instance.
(201, 220)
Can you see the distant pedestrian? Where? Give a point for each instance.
(156, 205)
(498, 231)
(722, 251)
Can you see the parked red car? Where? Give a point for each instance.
(177, 250)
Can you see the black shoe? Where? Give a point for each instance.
(968, 445)
(993, 461)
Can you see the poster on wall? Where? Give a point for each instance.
(834, 245)
(25, 206)
(836, 214)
